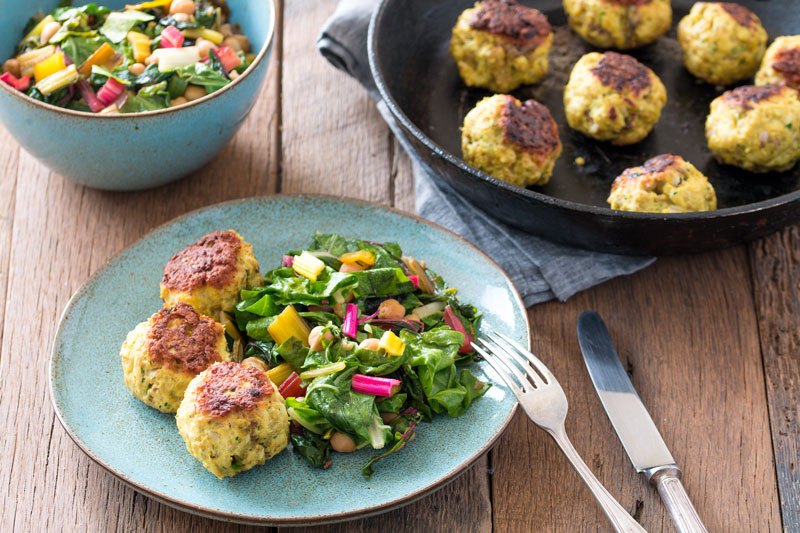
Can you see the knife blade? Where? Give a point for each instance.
(637, 431)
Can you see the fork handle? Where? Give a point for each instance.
(617, 515)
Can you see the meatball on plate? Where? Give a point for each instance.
(162, 355)
(756, 127)
(781, 63)
(209, 274)
(513, 141)
(232, 419)
(722, 43)
(621, 24)
(500, 45)
(664, 184)
(612, 97)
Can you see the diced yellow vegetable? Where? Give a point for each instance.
(29, 59)
(49, 66)
(308, 265)
(37, 30)
(289, 324)
(59, 80)
(99, 57)
(280, 373)
(323, 370)
(228, 324)
(362, 258)
(149, 5)
(110, 110)
(140, 44)
(392, 344)
(204, 33)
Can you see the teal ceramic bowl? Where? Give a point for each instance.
(137, 150)
(142, 447)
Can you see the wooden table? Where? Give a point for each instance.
(712, 341)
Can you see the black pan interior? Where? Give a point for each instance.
(429, 91)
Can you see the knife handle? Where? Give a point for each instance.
(668, 482)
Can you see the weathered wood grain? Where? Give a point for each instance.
(8, 183)
(686, 329)
(775, 263)
(333, 140)
(61, 234)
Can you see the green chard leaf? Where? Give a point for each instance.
(119, 23)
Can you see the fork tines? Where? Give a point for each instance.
(508, 358)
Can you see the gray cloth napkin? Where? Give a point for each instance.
(540, 269)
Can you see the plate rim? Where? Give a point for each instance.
(560, 203)
(260, 519)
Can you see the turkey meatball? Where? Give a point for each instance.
(500, 45)
(513, 141)
(162, 355)
(232, 419)
(210, 273)
(781, 64)
(664, 184)
(756, 127)
(621, 24)
(721, 42)
(613, 97)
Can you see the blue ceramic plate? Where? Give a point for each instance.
(142, 447)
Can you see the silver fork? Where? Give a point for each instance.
(545, 403)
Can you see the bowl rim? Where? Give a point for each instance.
(373, 35)
(257, 519)
(121, 116)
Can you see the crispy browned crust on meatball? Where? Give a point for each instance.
(652, 166)
(229, 386)
(742, 15)
(749, 94)
(621, 72)
(210, 261)
(524, 27)
(530, 126)
(183, 339)
(787, 64)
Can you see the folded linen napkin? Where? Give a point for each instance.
(540, 269)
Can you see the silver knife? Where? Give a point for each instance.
(635, 428)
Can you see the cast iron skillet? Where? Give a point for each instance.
(408, 52)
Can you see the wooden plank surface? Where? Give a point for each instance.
(696, 366)
(776, 275)
(692, 330)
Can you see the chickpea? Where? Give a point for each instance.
(370, 344)
(226, 30)
(255, 362)
(341, 442)
(233, 75)
(314, 340)
(178, 101)
(48, 31)
(193, 92)
(391, 309)
(388, 418)
(182, 6)
(348, 267)
(244, 42)
(181, 17)
(137, 68)
(412, 317)
(12, 66)
(233, 42)
(338, 310)
(151, 59)
(348, 346)
(203, 46)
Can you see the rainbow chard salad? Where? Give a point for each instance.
(147, 57)
(363, 342)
